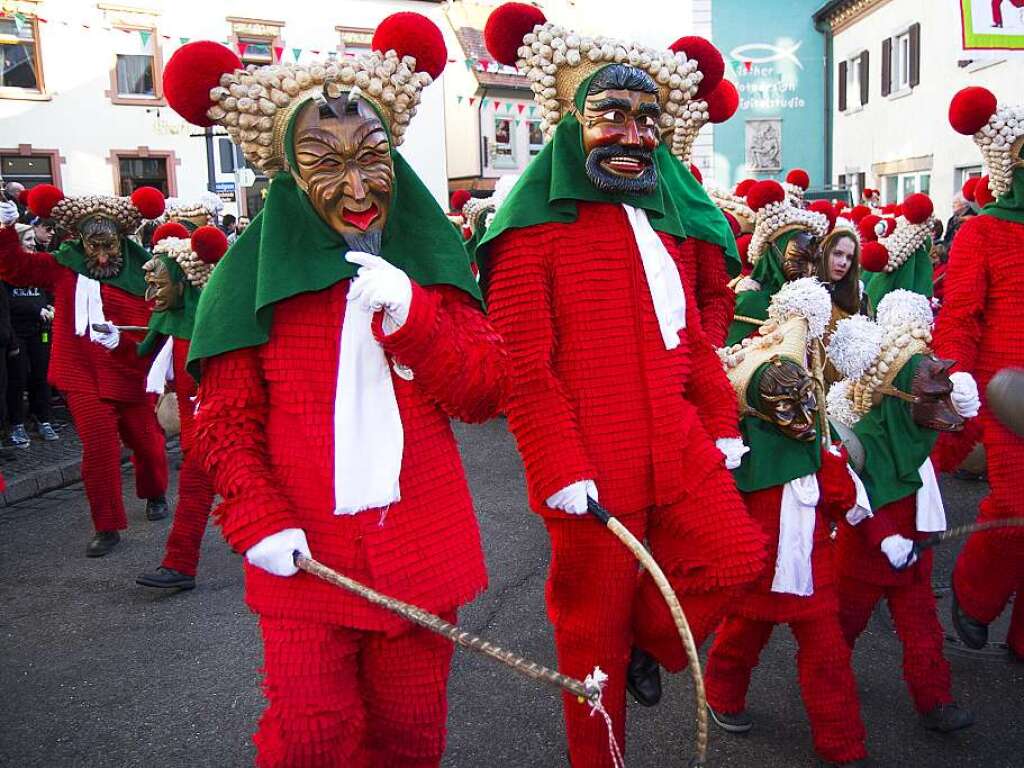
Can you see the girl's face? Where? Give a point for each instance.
(841, 259)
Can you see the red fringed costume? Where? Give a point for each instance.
(827, 683)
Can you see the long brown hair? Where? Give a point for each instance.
(845, 293)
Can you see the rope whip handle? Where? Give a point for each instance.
(682, 625)
(584, 691)
(959, 533)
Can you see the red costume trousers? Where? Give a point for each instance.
(991, 566)
(600, 606)
(344, 697)
(827, 685)
(912, 606)
(102, 425)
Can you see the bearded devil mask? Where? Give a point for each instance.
(786, 397)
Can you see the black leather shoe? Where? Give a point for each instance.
(156, 508)
(102, 543)
(738, 722)
(643, 678)
(972, 632)
(863, 763)
(947, 718)
(166, 578)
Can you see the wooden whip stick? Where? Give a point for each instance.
(682, 625)
(586, 691)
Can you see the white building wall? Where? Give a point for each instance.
(900, 127)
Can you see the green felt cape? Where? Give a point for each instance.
(130, 279)
(288, 249)
(768, 272)
(773, 458)
(1009, 207)
(915, 275)
(175, 322)
(556, 179)
(895, 447)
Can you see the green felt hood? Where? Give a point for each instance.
(130, 279)
(768, 272)
(916, 274)
(176, 322)
(1009, 207)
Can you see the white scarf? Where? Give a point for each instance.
(162, 369)
(368, 435)
(663, 278)
(860, 511)
(931, 515)
(88, 306)
(796, 537)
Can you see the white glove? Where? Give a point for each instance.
(46, 314)
(8, 213)
(109, 338)
(733, 449)
(573, 498)
(898, 548)
(965, 394)
(275, 553)
(747, 284)
(379, 285)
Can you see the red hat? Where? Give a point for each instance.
(413, 34)
(764, 193)
(458, 199)
(825, 208)
(971, 109)
(874, 256)
(968, 189)
(209, 244)
(506, 27)
(42, 198)
(983, 193)
(917, 208)
(743, 187)
(867, 227)
(858, 212)
(709, 62)
(798, 177)
(169, 229)
(149, 202)
(723, 102)
(696, 173)
(191, 73)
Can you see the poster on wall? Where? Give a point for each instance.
(992, 28)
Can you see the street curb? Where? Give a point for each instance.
(42, 480)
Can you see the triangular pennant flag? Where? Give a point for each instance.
(533, 109)
(296, 52)
(20, 21)
(508, 106)
(497, 105)
(278, 50)
(520, 107)
(144, 37)
(459, 99)
(469, 64)
(471, 100)
(184, 40)
(516, 121)
(241, 48)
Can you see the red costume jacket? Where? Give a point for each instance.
(860, 553)
(76, 363)
(715, 299)
(265, 431)
(594, 393)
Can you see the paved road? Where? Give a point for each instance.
(96, 672)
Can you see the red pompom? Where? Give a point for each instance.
(506, 27)
(874, 257)
(890, 226)
(970, 109)
(858, 212)
(917, 208)
(982, 193)
(968, 189)
(169, 229)
(765, 192)
(458, 199)
(733, 224)
(696, 173)
(209, 244)
(798, 177)
(743, 246)
(866, 227)
(42, 198)
(743, 187)
(23, 198)
(189, 75)
(413, 34)
(825, 208)
(709, 63)
(723, 102)
(890, 209)
(149, 202)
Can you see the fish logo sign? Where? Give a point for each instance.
(765, 53)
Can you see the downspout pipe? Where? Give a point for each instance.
(825, 28)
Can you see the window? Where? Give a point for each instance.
(909, 186)
(853, 82)
(255, 50)
(20, 63)
(31, 167)
(143, 167)
(257, 41)
(354, 40)
(960, 175)
(135, 68)
(504, 148)
(924, 183)
(901, 61)
(536, 135)
(892, 189)
(900, 186)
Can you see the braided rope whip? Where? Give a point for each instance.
(962, 532)
(647, 560)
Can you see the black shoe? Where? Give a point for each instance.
(947, 718)
(102, 543)
(739, 722)
(166, 578)
(643, 678)
(862, 763)
(972, 633)
(156, 508)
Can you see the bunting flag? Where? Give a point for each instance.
(278, 50)
(296, 52)
(459, 99)
(471, 100)
(241, 49)
(533, 108)
(520, 107)
(497, 105)
(183, 40)
(20, 20)
(483, 102)
(144, 37)
(508, 106)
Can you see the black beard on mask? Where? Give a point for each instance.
(609, 182)
(110, 269)
(367, 242)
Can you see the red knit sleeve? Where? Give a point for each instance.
(230, 438)
(539, 413)
(714, 296)
(958, 328)
(878, 527)
(838, 492)
(20, 267)
(454, 353)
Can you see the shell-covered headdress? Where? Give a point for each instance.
(47, 201)
(196, 254)
(870, 354)
(733, 204)
(715, 108)
(796, 184)
(997, 130)
(775, 215)
(557, 61)
(913, 229)
(206, 84)
(199, 213)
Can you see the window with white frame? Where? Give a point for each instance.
(899, 186)
(136, 64)
(20, 63)
(853, 81)
(901, 62)
(536, 136)
(503, 149)
(961, 175)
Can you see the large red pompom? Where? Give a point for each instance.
(723, 102)
(890, 209)
(917, 208)
(968, 189)
(458, 199)
(23, 198)
(189, 75)
(858, 212)
(743, 187)
(413, 34)
(506, 27)
(867, 227)
(825, 208)
(983, 193)
(764, 193)
(209, 244)
(696, 173)
(709, 62)
(798, 177)
(970, 109)
(149, 202)
(42, 198)
(169, 229)
(874, 257)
